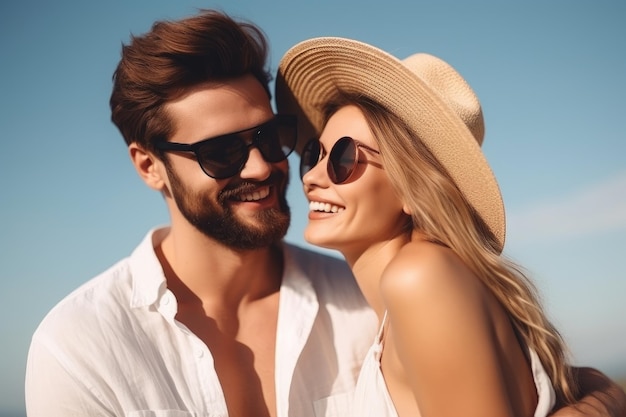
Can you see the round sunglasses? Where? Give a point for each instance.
(225, 156)
(342, 159)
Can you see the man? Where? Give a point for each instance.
(213, 315)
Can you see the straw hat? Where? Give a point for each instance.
(424, 91)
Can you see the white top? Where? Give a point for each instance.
(114, 348)
(372, 399)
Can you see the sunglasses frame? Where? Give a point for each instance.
(281, 120)
(330, 164)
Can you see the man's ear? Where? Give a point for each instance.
(148, 166)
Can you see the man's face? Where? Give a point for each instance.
(248, 210)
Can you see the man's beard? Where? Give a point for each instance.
(216, 219)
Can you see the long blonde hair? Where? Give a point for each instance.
(441, 212)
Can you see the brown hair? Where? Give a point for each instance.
(174, 56)
(441, 213)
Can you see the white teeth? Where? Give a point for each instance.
(256, 195)
(324, 207)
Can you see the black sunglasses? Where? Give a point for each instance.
(342, 159)
(225, 156)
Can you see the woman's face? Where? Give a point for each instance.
(364, 210)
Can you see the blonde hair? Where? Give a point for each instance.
(443, 215)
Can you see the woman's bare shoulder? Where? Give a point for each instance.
(423, 267)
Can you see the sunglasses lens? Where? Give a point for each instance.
(223, 156)
(342, 160)
(310, 156)
(276, 139)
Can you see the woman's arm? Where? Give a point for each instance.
(601, 397)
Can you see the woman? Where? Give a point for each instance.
(398, 184)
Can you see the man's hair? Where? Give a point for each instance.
(173, 57)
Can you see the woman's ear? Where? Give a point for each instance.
(406, 209)
(148, 166)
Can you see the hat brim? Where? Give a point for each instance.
(311, 73)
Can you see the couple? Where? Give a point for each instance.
(215, 315)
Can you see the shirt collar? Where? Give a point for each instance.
(149, 282)
(148, 277)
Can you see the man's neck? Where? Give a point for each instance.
(199, 268)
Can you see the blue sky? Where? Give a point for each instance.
(550, 76)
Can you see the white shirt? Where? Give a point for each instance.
(114, 348)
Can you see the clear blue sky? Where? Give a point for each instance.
(551, 77)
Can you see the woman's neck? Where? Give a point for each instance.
(368, 265)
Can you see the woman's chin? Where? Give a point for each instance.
(319, 239)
